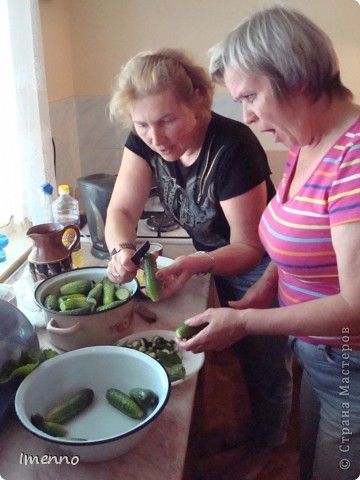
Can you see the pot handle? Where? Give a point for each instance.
(52, 327)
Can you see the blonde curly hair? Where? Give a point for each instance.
(151, 73)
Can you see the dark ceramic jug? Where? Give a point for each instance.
(50, 253)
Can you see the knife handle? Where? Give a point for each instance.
(140, 252)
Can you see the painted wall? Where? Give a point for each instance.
(86, 42)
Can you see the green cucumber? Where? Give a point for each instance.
(108, 291)
(95, 295)
(50, 428)
(152, 284)
(51, 302)
(145, 398)
(109, 306)
(74, 296)
(124, 403)
(122, 294)
(77, 311)
(77, 286)
(186, 331)
(72, 304)
(70, 407)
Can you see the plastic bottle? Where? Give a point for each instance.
(65, 210)
(46, 191)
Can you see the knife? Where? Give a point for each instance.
(140, 252)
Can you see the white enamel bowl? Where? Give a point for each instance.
(69, 332)
(106, 432)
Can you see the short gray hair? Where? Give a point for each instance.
(285, 46)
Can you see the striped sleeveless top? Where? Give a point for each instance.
(297, 232)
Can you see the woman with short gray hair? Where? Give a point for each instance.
(286, 47)
(284, 71)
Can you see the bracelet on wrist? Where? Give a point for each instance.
(210, 269)
(122, 246)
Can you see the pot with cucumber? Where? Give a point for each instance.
(106, 402)
(84, 308)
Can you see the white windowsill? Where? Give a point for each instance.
(16, 252)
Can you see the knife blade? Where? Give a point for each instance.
(140, 252)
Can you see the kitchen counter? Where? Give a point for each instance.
(161, 454)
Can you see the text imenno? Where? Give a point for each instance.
(26, 459)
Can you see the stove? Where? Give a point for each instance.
(153, 209)
(154, 223)
(177, 236)
(160, 222)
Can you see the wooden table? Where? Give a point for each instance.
(161, 454)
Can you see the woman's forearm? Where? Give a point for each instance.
(321, 317)
(235, 259)
(119, 229)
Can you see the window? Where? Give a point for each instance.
(26, 153)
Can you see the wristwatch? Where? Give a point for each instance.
(121, 246)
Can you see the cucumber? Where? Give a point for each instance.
(51, 302)
(145, 398)
(73, 303)
(77, 286)
(70, 407)
(152, 284)
(95, 295)
(122, 294)
(124, 403)
(109, 306)
(76, 296)
(186, 331)
(51, 428)
(77, 311)
(108, 291)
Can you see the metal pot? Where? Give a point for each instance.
(69, 332)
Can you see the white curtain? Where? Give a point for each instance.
(26, 151)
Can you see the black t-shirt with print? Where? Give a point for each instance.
(231, 162)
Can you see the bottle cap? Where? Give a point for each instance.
(63, 189)
(47, 188)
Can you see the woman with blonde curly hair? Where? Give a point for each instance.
(213, 179)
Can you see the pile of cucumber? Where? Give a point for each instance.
(81, 297)
(138, 404)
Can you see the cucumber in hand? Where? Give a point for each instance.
(152, 284)
(187, 331)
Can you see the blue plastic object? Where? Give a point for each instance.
(3, 242)
(47, 188)
(46, 191)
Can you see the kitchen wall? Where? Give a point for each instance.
(87, 41)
